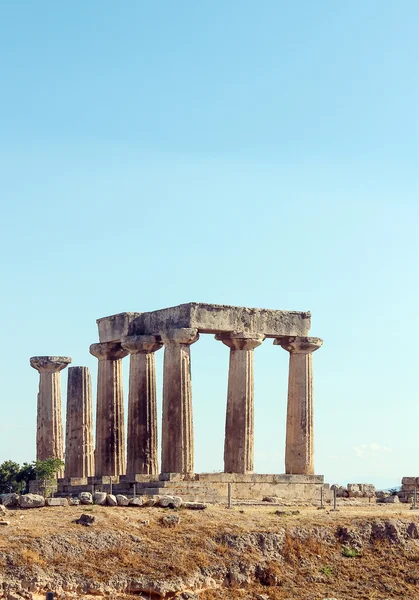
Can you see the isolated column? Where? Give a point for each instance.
(239, 429)
(142, 448)
(110, 437)
(79, 449)
(177, 422)
(49, 432)
(299, 447)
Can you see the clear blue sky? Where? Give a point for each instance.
(249, 153)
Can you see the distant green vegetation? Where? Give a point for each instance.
(15, 478)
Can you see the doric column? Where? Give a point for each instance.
(49, 431)
(142, 448)
(177, 422)
(239, 428)
(79, 449)
(110, 437)
(299, 448)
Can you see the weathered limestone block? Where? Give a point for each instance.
(410, 481)
(115, 327)
(79, 449)
(49, 432)
(299, 448)
(56, 502)
(215, 318)
(110, 435)
(9, 499)
(195, 505)
(137, 501)
(170, 501)
(31, 501)
(100, 498)
(86, 498)
(177, 421)
(239, 428)
(3, 510)
(391, 499)
(111, 500)
(142, 456)
(122, 500)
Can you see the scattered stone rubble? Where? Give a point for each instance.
(98, 498)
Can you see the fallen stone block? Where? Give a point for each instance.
(122, 500)
(31, 501)
(194, 505)
(86, 498)
(74, 501)
(137, 501)
(56, 502)
(170, 502)
(100, 498)
(111, 500)
(391, 499)
(3, 509)
(9, 499)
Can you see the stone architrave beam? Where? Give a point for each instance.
(239, 427)
(110, 435)
(206, 318)
(142, 448)
(177, 421)
(299, 447)
(49, 432)
(79, 448)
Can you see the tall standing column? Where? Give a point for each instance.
(299, 447)
(239, 428)
(79, 449)
(177, 422)
(142, 448)
(110, 436)
(49, 431)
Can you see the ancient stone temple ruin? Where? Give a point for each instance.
(132, 460)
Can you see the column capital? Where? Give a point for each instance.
(108, 351)
(240, 340)
(299, 345)
(49, 364)
(142, 344)
(186, 336)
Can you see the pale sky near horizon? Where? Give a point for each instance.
(257, 154)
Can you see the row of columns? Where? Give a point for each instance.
(177, 455)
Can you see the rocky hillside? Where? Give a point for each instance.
(250, 553)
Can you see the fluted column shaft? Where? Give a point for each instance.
(239, 427)
(142, 439)
(299, 446)
(49, 431)
(79, 449)
(177, 421)
(110, 433)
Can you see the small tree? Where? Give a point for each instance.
(9, 471)
(47, 470)
(26, 474)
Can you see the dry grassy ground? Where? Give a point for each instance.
(214, 554)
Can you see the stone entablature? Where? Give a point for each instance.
(206, 318)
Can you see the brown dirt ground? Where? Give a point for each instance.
(47, 541)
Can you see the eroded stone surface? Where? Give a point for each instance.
(110, 434)
(177, 422)
(79, 449)
(49, 435)
(299, 448)
(216, 318)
